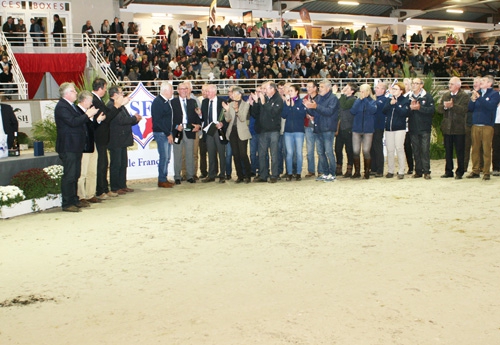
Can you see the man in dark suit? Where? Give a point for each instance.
(9, 122)
(58, 30)
(88, 171)
(186, 120)
(120, 137)
(211, 108)
(99, 87)
(70, 144)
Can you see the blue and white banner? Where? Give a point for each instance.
(143, 162)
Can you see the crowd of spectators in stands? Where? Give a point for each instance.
(350, 56)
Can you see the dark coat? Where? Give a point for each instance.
(70, 128)
(102, 132)
(120, 129)
(204, 112)
(192, 116)
(454, 119)
(10, 123)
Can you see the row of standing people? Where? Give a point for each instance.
(356, 124)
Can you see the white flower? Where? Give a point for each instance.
(55, 172)
(10, 195)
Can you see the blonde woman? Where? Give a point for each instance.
(363, 126)
(237, 114)
(396, 113)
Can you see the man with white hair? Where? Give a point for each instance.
(162, 115)
(214, 134)
(70, 143)
(453, 106)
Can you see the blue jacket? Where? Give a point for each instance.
(162, 115)
(379, 115)
(396, 114)
(364, 115)
(294, 116)
(326, 114)
(484, 108)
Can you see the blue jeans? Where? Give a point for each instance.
(254, 155)
(164, 148)
(325, 152)
(268, 141)
(294, 143)
(311, 139)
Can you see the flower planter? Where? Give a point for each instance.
(29, 206)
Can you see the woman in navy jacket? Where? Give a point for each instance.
(294, 112)
(396, 112)
(363, 126)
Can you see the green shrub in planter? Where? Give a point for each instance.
(45, 131)
(437, 151)
(35, 183)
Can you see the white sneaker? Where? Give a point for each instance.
(329, 178)
(495, 173)
(321, 178)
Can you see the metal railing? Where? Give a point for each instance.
(20, 88)
(249, 85)
(97, 61)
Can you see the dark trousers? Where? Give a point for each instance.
(456, 142)
(421, 146)
(118, 160)
(72, 164)
(102, 169)
(344, 138)
(214, 148)
(495, 159)
(409, 152)
(377, 151)
(203, 157)
(240, 155)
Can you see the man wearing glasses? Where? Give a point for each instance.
(419, 127)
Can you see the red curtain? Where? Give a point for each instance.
(63, 67)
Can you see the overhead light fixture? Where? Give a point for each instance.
(451, 10)
(158, 15)
(348, 3)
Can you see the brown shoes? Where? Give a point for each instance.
(94, 200)
(128, 190)
(83, 203)
(71, 208)
(119, 192)
(165, 184)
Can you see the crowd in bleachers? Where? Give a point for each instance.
(178, 55)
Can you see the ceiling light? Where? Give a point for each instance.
(451, 10)
(349, 3)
